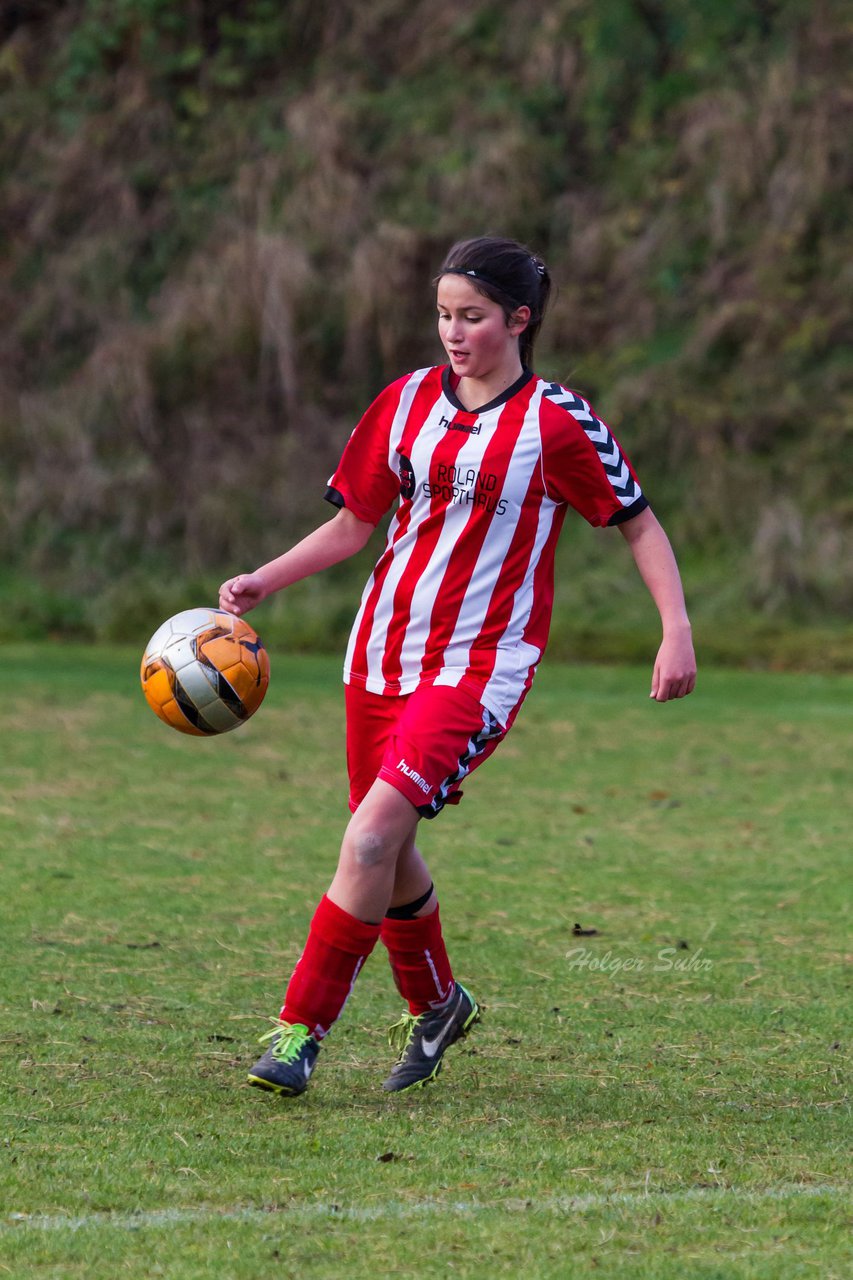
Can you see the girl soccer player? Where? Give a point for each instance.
(483, 458)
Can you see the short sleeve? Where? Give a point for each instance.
(364, 481)
(584, 464)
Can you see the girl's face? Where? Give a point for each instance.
(480, 341)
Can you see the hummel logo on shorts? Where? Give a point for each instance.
(415, 777)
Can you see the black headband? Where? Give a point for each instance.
(483, 277)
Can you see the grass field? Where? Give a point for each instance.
(664, 1098)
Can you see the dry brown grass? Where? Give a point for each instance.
(196, 310)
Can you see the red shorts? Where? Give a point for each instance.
(423, 743)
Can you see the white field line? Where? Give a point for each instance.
(401, 1209)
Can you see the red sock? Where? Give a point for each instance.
(418, 961)
(325, 973)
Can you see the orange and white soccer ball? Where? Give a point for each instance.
(204, 671)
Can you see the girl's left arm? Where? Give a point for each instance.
(674, 673)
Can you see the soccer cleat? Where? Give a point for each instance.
(421, 1041)
(286, 1066)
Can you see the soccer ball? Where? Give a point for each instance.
(204, 671)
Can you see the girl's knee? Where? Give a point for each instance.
(370, 842)
(378, 831)
(369, 848)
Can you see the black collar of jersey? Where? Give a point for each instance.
(450, 392)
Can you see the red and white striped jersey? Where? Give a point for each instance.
(463, 592)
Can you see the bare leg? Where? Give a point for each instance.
(412, 879)
(380, 830)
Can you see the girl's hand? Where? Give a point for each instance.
(239, 595)
(674, 675)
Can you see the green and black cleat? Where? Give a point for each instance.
(286, 1066)
(422, 1041)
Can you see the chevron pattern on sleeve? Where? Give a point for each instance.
(623, 483)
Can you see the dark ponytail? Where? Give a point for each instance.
(509, 274)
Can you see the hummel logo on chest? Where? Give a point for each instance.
(470, 428)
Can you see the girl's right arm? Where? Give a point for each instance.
(332, 542)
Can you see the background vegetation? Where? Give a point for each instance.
(220, 221)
